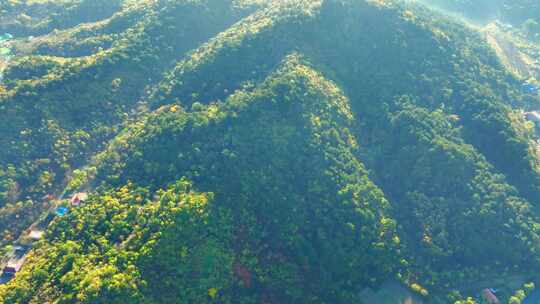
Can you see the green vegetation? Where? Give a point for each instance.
(524, 14)
(38, 17)
(277, 152)
(61, 110)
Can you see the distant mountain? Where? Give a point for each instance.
(25, 18)
(266, 152)
(520, 13)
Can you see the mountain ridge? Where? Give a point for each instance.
(348, 155)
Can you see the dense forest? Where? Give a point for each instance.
(287, 151)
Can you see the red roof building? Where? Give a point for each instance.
(490, 297)
(36, 235)
(78, 198)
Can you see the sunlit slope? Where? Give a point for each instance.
(310, 150)
(505, 9)
(38, 17)
(298, 223)
(87, 38)
(212, 71)
(58, 110)
(437, 63)
(83, 93)
(462, 99)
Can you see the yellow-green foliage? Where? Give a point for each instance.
(469, 300)
(419, 289)
(282, 152)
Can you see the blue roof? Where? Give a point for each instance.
(529, 88)
(61, 211)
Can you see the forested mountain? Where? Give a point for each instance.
(39, 17)
(524, 14)
(288, 151)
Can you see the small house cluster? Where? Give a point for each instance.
(14, 264)
(14, 261)
(76, 200)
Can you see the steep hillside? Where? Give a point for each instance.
(38, 17)
(516, 12)
(296, 223)
(278, 152)
(60, 110)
